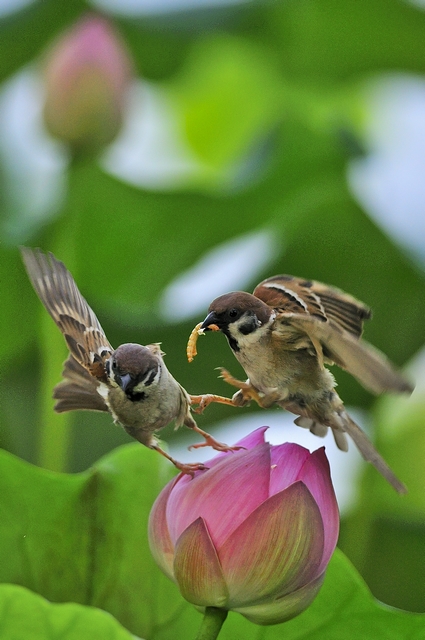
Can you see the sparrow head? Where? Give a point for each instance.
(134, 368)
(237, 314)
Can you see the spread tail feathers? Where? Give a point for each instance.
(369, 452)
(78, 390)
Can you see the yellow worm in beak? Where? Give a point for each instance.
(191, 351)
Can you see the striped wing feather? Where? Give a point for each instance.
(333, 322)
(288, 293)
(59, 293)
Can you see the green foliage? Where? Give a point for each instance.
(231, 97)
(269, 99)
(384, 526)
(24, 614)
(83, 538)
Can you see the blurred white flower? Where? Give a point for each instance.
(149, 152)
(230, 266)
(389, 183)
(32, 162)
(157, 7)
(8, 7)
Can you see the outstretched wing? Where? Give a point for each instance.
(330, 322)
(288, 293)
(371, 367)
(59, 293)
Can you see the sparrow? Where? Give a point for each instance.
(283, 334)
(131, 382)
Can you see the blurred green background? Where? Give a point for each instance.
(260, 138)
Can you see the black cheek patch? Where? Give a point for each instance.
(136, 397)
(248, 327)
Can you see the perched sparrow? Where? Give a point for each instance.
(132, 382)
(282, 335)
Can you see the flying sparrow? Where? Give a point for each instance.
(132, 382)
(283, 335)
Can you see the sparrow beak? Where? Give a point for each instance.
(210, 323)
(124, 380)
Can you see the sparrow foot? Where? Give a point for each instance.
(211, 442)
(246, 391)
(189, 468)
(204, 400)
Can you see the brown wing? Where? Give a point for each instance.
(371, 367)
(78, 390)
(297, 295)
(329, 322)
(59, 293)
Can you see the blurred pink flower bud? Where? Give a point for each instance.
(87, 75)
(253, 533)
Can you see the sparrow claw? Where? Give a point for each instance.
(215, 444)
(184, 467)
(211, 442)
(246, 391)
(189, 468)
(206, 399)
(240, 398)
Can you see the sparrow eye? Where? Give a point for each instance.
(233, 313)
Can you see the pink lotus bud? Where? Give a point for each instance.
(87, 75)
(253, 533)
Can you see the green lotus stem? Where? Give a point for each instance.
(54, 434)
(212, 623)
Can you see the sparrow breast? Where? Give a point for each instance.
(271, 363)
(143, 395)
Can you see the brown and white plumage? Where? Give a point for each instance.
(333, 322)
(283, 334)
(131, 382)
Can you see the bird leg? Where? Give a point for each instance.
(184, 467)
(211, 442)
(248, 392)
(206, 399)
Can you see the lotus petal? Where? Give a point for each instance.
(315, 474)
(224, 495)
(287, 461)
(160, 542)
(197, 568)
(276, 550)
(274, 611)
